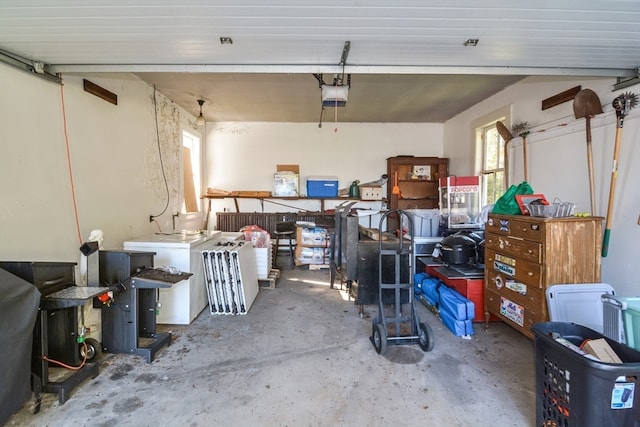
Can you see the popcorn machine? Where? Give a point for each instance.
(460, 202)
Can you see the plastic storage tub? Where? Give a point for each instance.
(426, 222)
(631, 320)
(578, 303)
(575, 391)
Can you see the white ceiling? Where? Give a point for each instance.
(407, 58)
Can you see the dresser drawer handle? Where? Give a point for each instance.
(530, 251)
(530, 273)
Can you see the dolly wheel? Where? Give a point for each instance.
(94, 349)
(380, 338)
(425, 337)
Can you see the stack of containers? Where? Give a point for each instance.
(261, 242)
(621, 318)
(312, 245)
(264, 259)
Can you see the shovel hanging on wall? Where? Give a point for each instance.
(586, 105)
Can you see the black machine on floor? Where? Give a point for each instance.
(463, 249)
(129, 319)
(56, 336)
(127, 294)
(19, 306)
(394, 326)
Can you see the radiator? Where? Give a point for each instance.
(230, 278)
(234, 221)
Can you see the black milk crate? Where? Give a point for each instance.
(575, 391)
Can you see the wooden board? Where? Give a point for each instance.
(255, 193)
(190, 201)
(270, 281)
(372, 233)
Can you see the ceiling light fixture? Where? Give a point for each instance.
(226, 40)
(471, 42)
(200, 121)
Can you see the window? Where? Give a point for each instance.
(191, 171)
(492, 169)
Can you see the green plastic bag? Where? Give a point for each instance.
(507, 203)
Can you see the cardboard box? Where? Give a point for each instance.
(370, 192)
(286, 181)
(601, 349)
(312, 236)
(322, 186)
(312, 255)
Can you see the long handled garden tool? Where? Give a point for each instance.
(506, 136)
(622, 104)
(587, 104)
(522, 129)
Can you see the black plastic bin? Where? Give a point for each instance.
(575, 391)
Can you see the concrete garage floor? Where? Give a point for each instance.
(302, 357)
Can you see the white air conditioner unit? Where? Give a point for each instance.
(333, 96)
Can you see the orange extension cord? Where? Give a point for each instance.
(66, 138)
(64, 365)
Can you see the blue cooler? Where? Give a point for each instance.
(322, 186)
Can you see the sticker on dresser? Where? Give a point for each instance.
(516, 286)
(512, 311)
(504, 268)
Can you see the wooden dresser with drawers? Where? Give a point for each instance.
(524, 255)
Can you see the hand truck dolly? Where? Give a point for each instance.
(392, 326)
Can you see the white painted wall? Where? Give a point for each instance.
(557, 162)
(243, 156)
(114, 157)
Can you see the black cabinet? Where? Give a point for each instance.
(365, 289)
(129, 322)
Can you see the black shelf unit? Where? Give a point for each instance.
(129, 321)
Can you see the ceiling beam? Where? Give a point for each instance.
(338, 69)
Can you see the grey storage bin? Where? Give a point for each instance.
(426, 222)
